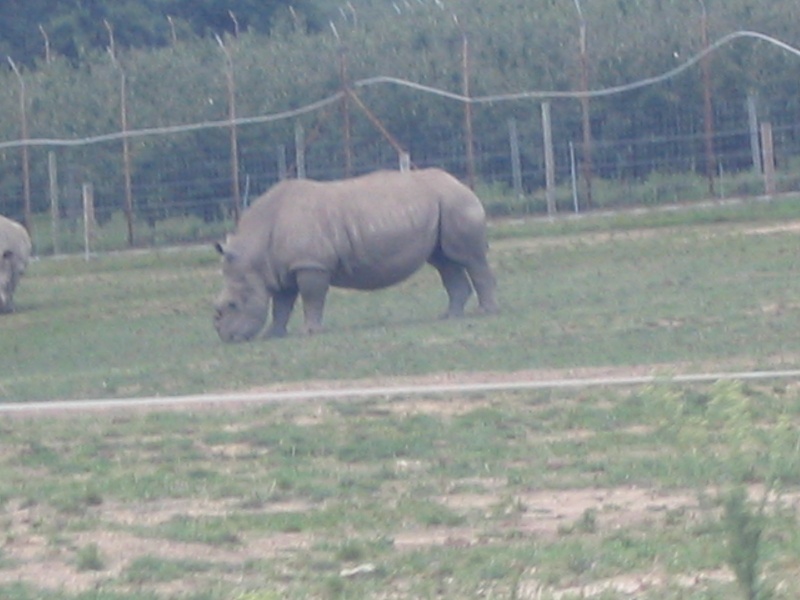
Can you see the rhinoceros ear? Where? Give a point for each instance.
(224, 249)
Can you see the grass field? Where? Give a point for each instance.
(601, 493)
(135, 324)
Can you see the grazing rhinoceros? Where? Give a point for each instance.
(365, 233)
(15, 251)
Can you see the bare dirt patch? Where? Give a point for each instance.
(52, 564)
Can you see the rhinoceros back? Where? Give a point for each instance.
(368, 232)
(14, 238)
(15, 251)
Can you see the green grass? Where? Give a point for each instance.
(140, 324)
(476, 483)
(504, 495)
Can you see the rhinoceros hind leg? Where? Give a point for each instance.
(313, 285)
(455, 281)
(484, 282)
(282, 306)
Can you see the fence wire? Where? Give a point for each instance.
(181, 181)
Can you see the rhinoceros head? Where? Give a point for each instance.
(11, 268)
(242, 306)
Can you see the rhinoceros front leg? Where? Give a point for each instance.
(455, 281)
(282, 305)
(313, 285)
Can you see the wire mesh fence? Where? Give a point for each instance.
(175, 184)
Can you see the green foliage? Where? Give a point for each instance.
(725, 437)
(77, 29)
(89, 558)
(152, 569)
(212, 531)
(732, 448)
(745, 526)
(281, 62)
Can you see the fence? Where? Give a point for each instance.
(178, 184)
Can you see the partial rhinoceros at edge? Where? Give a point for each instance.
(366, 233)
(15, 252)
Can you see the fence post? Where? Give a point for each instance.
(300, 150)
(281, 162)
(405, 162)
(346, 128)
(26, 168)
(48, 57)
(88, 219)
(231, 87)
(516, 169)
(586, 123)
(549, 166)
(469, 141)
(573, 174)
(52, 174)
(126, 153)
(708, 111)
(752, 120)
(768, 158)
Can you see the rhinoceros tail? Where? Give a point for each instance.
(462, 225)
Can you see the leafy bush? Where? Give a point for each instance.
(731, 451)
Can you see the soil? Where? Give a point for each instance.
(544, 513)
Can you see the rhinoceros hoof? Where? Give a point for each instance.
(451, 315)
(487, 310)
(275, 333)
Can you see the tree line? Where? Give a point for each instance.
(284, 55)
(30, 29)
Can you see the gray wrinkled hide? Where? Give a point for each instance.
(15, 252)
(364, 233)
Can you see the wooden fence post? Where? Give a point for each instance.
(405, 162)
(549, 166)
(234, 138)
(768, 158)
(26, 169)
(88, 219)
(752, 121)
(300, 150)
(281, 162)
(52, 174)
(516, 167)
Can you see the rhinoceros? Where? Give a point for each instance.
(15, 252)
(365, 233)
